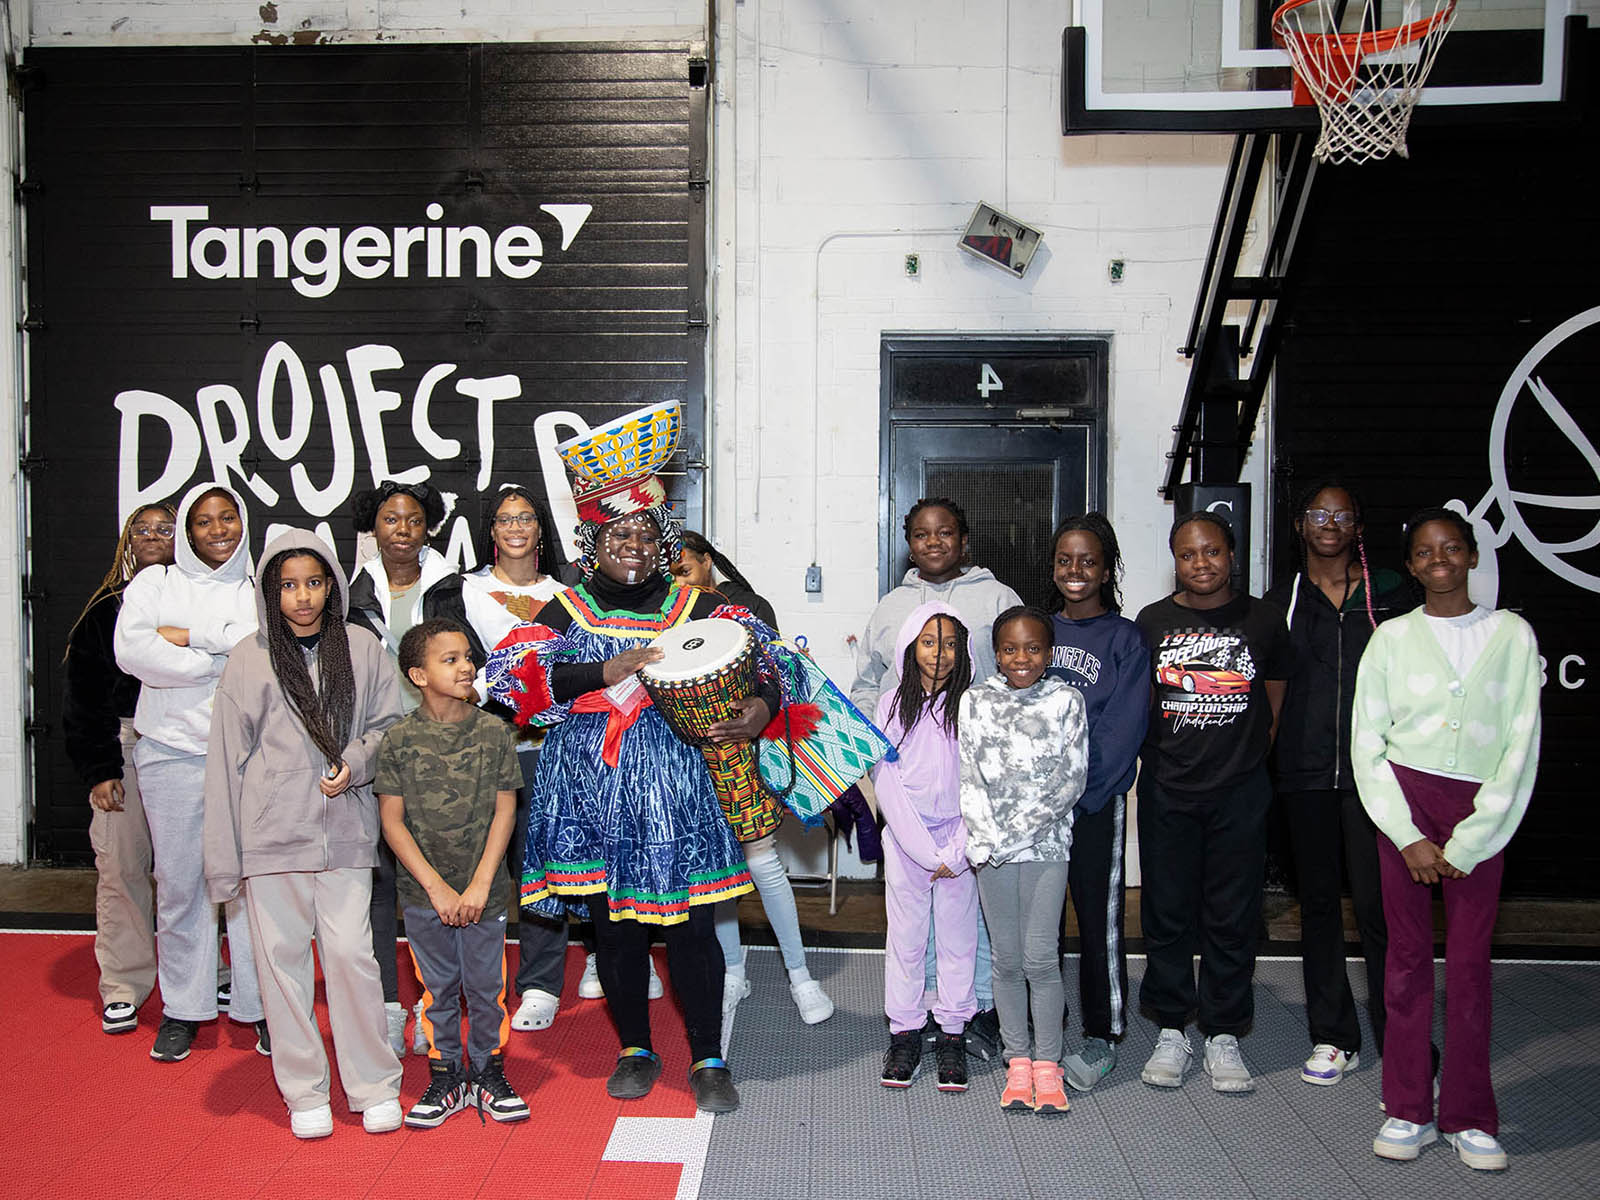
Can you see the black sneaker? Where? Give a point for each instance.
(119, 1017)
(263, 1040)
(983, 1035)
(930, 1031)
(493, 1093)
(224, 996)
(173, 1039)
(951, 1055)
(448, 1093)
(903, 1059)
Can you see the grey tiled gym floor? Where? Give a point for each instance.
(816, 1122)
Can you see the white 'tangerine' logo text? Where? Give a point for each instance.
(319, 255)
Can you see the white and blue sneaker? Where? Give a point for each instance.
(1327, 1065)
(1479, 1150)
(1403, 1140)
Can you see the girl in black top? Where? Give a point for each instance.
(1220, 660)
(1333, 603)
(97, 719)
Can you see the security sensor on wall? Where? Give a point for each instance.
(1001, 239)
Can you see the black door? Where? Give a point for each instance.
(1012, 430)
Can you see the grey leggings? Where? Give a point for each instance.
(1022, 905)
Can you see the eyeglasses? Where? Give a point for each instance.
(516, 520)
(1319, 517)
(164, 532)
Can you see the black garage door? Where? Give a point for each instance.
(307, 268)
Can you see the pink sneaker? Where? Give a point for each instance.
(1019, 1085)
(1049, 1097)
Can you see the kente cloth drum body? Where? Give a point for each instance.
(708, 666)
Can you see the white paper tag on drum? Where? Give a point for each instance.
(626, 694)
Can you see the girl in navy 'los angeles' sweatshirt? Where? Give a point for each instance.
(1103, 655)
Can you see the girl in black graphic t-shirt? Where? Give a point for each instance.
(1219, 661)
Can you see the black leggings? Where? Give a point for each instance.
(694, 961)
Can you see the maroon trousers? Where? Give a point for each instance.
(1466, 1096)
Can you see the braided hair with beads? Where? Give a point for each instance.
(327, 708)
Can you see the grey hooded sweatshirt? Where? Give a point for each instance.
(215, 604)
(976, 595)
(265, 814)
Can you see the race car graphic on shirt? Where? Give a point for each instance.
(1203, 677)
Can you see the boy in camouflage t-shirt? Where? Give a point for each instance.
(446, 781)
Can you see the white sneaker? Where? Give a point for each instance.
(394, 1016)
(734, 989)
(1170, 1060)
(537, 1010)
(312, 1122)
(383, 1117)
(419, 1035)
(589, 986)
(656, 991)
(812, 1001)
(1327, 1065)
(1479, 1150)
(1225, 1065)
(1403, 1140)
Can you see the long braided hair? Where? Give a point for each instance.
(910, 701)
(123, 564)
(699, 543)
(1300, 509)
(328, 708)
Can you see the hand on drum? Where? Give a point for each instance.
(747, 726)
(619, 666)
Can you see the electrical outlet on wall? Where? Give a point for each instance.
(813, 578)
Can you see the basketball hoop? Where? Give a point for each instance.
(1366, 83)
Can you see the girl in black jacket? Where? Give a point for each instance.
(97, 718)
(1333, 603)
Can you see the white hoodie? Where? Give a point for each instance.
(217, 607)
(976, 595)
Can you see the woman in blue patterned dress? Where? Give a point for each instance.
(624, 825)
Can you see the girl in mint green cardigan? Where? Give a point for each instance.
(1445, 746)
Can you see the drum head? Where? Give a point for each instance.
(697, 648)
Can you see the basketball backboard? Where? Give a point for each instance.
(1211, 65)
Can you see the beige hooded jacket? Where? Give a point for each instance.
(265, 814)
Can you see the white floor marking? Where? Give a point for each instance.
(681, 1140)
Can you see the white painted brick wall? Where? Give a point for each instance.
(858, 139)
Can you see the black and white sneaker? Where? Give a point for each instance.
(493, 1093)
(173, 1039)
(119, 1017)
(263, 1040)
(951, 1054)
(448, 1093)
(903, 1059)
(224, 996)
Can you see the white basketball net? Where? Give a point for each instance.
(1364, 79)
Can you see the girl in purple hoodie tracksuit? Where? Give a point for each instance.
(924, 846)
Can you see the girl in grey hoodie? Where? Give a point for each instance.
(291, 824)
(174, 631)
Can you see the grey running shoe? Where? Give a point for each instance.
(1225, 1065)
(1092, 1063)
(1170, 1060)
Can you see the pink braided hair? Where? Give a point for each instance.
(1366, 579)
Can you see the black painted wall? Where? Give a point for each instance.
(1426, 283)
(340, 137)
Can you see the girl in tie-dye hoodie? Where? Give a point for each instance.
(1024, 758)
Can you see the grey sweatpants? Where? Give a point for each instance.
(1022, 904)
(285, 911)
(173, 791)
(457, 963)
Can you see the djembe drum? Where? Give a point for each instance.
(708, 666)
